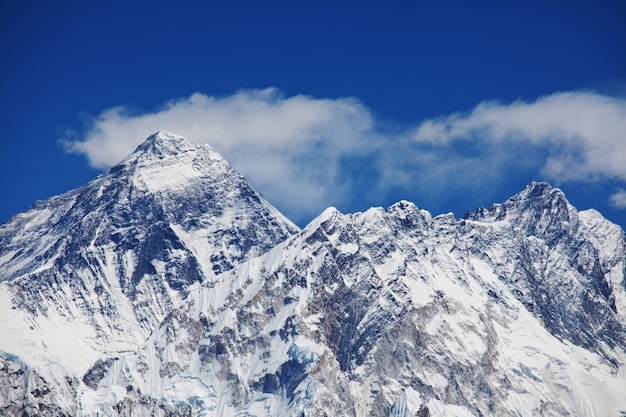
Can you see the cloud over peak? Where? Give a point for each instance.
(289, 147)
(306, 153)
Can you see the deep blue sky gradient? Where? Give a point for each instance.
(62, 63)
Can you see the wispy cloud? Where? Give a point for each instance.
(289, 147)
(584, 132)
(305, 153)
(618, 200)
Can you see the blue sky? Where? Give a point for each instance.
(451, 105)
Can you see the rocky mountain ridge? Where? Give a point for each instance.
(513, 310)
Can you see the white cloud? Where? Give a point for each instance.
(298, 150)
(584, 133)
(290, 148)
(618, 200)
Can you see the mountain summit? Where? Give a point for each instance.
(169, 287)
(92, 272)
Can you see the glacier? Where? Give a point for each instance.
(169, 287)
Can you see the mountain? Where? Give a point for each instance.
(92, 272)
(212, 304)
(515, 310)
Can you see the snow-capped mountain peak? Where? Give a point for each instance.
(165, 145)
(100, 266)
(540, 210)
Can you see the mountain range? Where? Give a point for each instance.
(169, 287)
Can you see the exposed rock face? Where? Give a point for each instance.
(185, 293)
